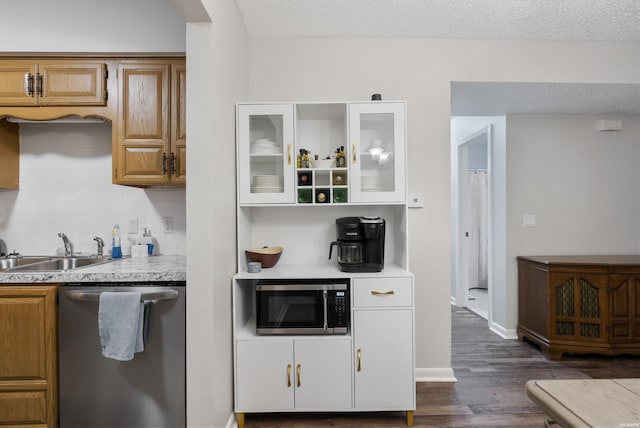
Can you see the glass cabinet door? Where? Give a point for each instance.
(377, 138)
(265, 154)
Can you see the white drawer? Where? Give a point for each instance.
(376, 292)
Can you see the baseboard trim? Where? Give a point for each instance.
(435, 375)
(502, 332)
(232, 422)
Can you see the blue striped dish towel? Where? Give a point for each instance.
(121, 324)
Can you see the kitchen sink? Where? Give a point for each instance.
(59, 264)
(15, 262)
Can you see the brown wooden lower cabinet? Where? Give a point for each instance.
(580, 304)
(28, 355)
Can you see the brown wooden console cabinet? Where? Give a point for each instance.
(580, 304)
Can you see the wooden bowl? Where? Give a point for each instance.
(267, 256)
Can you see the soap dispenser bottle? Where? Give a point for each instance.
(148, 240)
(116, 249)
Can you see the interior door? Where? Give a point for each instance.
(474, 241)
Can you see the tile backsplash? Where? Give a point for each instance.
(65, 186)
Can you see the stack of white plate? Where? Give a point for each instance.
(267, 184)
(264, 147)
(370, 183)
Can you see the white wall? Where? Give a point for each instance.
(65, 186)
(91, 26)
(421, 72)
(217, 64)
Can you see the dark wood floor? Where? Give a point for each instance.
(491, 374)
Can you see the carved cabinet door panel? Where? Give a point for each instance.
(578, 306)
(624, 308)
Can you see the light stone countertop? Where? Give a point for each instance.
(156, 268)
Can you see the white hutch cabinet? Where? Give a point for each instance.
(293, 204)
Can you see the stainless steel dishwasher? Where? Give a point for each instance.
(148, 391)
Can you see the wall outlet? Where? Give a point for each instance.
(133, 226)
(167, 224)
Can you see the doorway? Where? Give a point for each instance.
(474, 175)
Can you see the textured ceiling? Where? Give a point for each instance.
(590, 20)
(445, 19)
(493, 99)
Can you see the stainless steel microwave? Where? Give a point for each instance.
(302, 307)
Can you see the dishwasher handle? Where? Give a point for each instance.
(89, 295)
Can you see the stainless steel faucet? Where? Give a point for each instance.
(67, 244)
(100, 245)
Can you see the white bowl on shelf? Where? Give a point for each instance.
(323, 163)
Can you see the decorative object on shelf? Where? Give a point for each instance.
(254, 267)
(376, 97)
(267, 256)
(305, 178)
(379, 156)
(339, 196)
(341, 158)
(304, 159)
(305, 196)
(339, 178)
(322, 196)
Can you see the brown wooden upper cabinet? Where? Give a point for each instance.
(9, 155)
(151, 145)
(56, 82)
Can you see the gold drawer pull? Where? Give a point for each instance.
(383, 293)
(359, 358)
(298, 375)
(288, 375)
(353, 147)
(289, 154)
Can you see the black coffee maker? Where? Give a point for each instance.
(360, 242)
